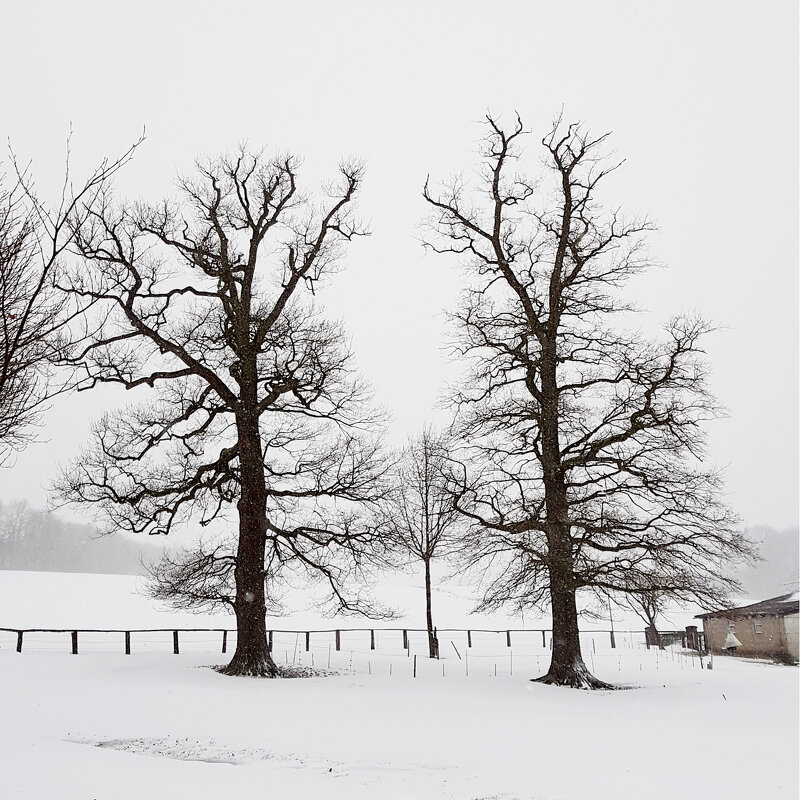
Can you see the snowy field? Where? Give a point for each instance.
(111, 727)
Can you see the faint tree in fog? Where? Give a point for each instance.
(583, 440)
(205, 305)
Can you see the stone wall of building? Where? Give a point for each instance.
(760, 636)
(791, 623)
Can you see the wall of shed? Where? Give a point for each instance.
(772, 640)
(791, 622)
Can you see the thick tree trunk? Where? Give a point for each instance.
(433, 645)
(566, 663)
(252, 656)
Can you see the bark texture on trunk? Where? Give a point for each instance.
(433, 644)
(252, 656)
(566, 663)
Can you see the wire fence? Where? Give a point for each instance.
(406, 641)
(378, 651)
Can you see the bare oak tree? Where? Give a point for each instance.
(204, 304)
(419, 518)
(583, 441)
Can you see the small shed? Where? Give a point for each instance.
(767, 629)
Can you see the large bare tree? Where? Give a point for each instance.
(419, 518)
(205, 305)
(583, 439)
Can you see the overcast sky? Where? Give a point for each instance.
(702, 99)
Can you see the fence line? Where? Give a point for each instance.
(304, 630)
(375, 642)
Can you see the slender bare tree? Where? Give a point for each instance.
(419, 518)
(204, 304)
(649, 594)
(648, 605)
(36, 321)
(583, 441)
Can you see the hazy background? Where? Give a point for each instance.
(702, 99)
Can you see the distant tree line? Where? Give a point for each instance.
(36, 540)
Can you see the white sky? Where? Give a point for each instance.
(702, 99)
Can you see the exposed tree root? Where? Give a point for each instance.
(249, 668)
(576, 676)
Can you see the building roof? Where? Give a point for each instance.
(774, 607)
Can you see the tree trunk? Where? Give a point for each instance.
(566, 662)
(252, 656)
(652, 633)
(433, 645)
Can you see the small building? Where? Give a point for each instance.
(768, 629)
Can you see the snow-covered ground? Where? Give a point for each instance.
(74, 600)
(112, 727)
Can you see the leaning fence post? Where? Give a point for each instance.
(338, 640)
(127, 643)
(74, 643)
(175, 648)
(19, 641)
(224, 641)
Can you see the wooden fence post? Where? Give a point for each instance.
(19, 641)
(338, 640)
(415, 665)
(613, 640)
(508, 638)
(405, 640)
(308, 641)
(544, 641)
(127, 643)
(469, 638)
(74, 643)
(175, 648)
(372, 640)
(224, 641)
